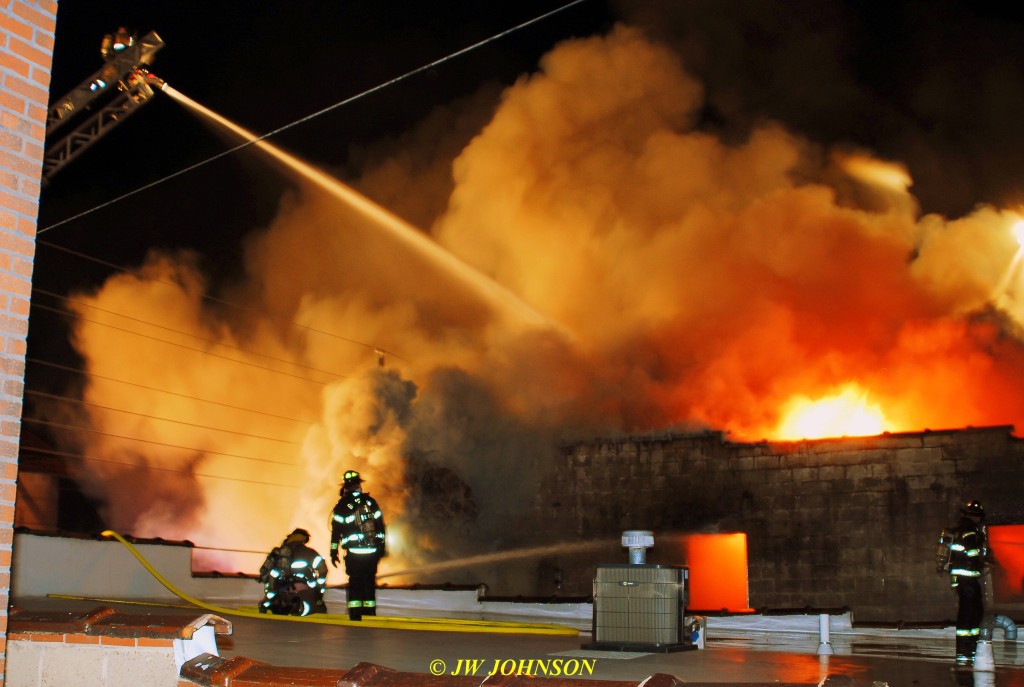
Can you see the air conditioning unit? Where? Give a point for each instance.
(641, 608)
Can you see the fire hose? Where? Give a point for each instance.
(393, 622)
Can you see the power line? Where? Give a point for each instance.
(67, 368)
(61, 425)
(179, 345)
(318, 113)
(220, 301)
(178, 331)
(68, 399)
(66, 454)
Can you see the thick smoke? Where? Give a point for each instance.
(690, 280)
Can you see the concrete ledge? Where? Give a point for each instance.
(245, 672)
(212, 671)
(105, 648)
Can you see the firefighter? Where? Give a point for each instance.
(969, 554)
(357, 526)
(294, 578)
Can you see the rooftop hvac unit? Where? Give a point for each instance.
(641, 608)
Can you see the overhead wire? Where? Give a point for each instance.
(68, 368)
(77, 401)
(94, 459)
(214, 299)
(302, 120)
(346, 101)
(191, 449)
(179, 331)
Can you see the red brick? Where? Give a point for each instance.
(107, 640)
(46, 19)
(19, 306)
(25, 88)
(81, 639)
(47, 638)
(22, 205)
(44, 41)
(149, 641)
(12, 102)
(18, 28)
(18, 163)
(16, 64)
(31, 53)
(28, 228)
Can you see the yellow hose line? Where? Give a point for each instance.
(435, 624)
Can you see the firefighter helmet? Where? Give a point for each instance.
(297, 535)
(973, 508)
(352, 477)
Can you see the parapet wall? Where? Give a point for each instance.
(831, 523)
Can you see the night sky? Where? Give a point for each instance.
(263, 70)
(936, 85)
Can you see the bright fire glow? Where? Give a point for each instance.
(718, 571)
(847, 413)
(1007, 543)
(1018, 232)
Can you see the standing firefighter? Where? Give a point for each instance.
(968, 553)
(294, 578)
(357, 525)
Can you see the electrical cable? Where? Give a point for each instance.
(214, 342)
(318, 113)
(77, 401)
(191, 449)
(179, 345)
(67, 368)
(214, 299)
(82, 456)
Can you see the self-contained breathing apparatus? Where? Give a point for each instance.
(290, 583)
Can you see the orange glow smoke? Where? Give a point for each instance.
(705, 282)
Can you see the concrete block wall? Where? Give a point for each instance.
(105, 648)
(26, 52)
(837, 523)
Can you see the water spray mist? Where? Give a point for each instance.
(495, 294)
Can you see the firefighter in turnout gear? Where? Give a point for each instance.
(357, 526)
(294, 578)
(969, 554)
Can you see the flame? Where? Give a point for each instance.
(845, 413)
(1018, 232)
(732, 284)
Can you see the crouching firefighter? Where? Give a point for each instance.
(294, 578)
(357, 526)
(968, 556)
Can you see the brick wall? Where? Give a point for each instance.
(26, 51)
(830, 524)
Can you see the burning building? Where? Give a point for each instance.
(833, 523)
(653, 274)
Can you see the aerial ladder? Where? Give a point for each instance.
(108, 97)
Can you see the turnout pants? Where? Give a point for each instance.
(968, 618)
(362, 583)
